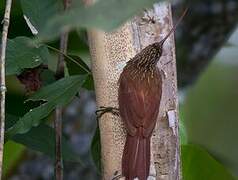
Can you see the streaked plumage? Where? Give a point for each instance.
(140, 89)
(139, 95)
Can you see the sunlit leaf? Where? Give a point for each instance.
(210, 113)
(182, 133)
(198, 164)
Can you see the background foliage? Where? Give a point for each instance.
(208, 105)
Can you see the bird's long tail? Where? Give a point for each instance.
(136, 158)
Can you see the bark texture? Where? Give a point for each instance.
(3, 46)
(110, 52)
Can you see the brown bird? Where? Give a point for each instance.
(139, 95)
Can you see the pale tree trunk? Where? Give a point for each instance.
(110, 52)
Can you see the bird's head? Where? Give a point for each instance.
(159, 45)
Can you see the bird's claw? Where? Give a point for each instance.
(102, 110)
(117, 176)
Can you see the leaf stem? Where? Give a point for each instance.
(68, 57)
(6, 22)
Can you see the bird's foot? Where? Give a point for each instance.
(102, 110)
(117, 176)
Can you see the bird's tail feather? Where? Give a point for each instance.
(136, 158)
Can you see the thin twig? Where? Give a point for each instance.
(70, 58)
(58, 144)
(63, 48)
(5, 22)
(59, 110)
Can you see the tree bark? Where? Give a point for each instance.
(3, 46)
(110, 52)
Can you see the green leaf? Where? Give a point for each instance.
(12, 154)
(59, 93)
(89, 83)
(198, 165)
(104, 14)
(42, 139)
(47, 76)
(182, 129)
(183, 133)
(210, 112)
(77, 66)
(10, 120)
(38, 12)
(21, 54)
(96, 149)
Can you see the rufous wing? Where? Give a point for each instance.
(139, 103)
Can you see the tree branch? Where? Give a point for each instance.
(63, 47)
(6, 22)
(59, 110)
